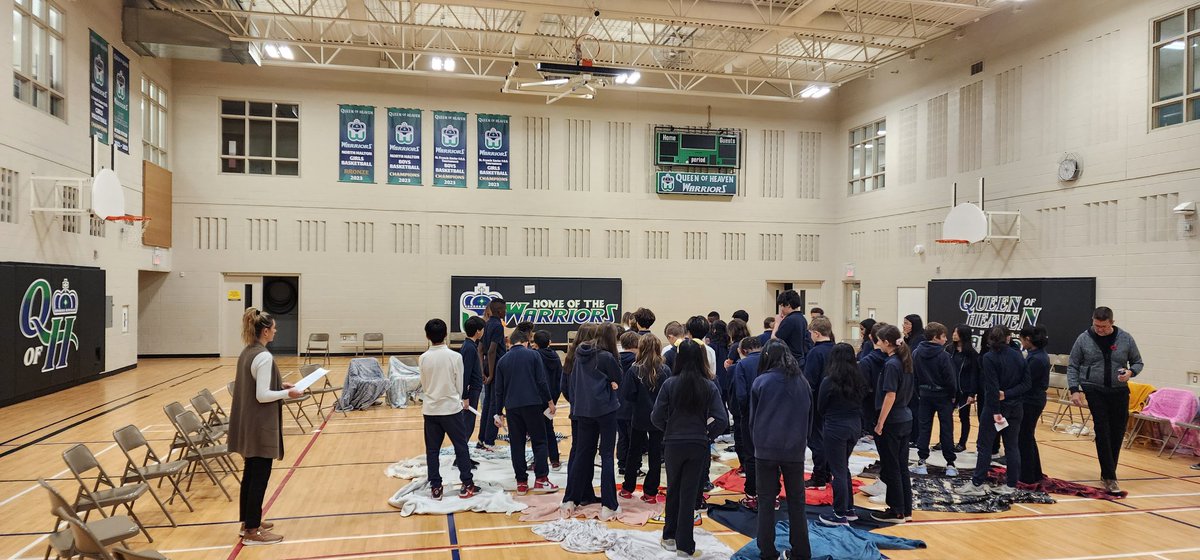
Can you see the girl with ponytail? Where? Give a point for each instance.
(893, 390)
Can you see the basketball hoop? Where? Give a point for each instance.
(137, 225)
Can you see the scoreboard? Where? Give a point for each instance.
(697, 148)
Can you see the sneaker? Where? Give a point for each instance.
(650, 499)
(951, 470)
(880, 499)
(936, 447)
(436, 492)
(667, 544)
(832, 520)
(908, 517)
(708, 487)
(698, 519)
(660, 518)
(1003, 489)
(960, 448)
(785, 555)
(750, 502)
(567, 509)
(971, 489)
(259, 537)
(555, 465)
(815, 483)
(851, 516)
(263, 525)
(609, 514)
(468, 490)
(877, 488)
(544, 486)
(624, 494)
(888, 516)
(620, 471)
(1112, 487)
(694, 554)
(777, 503)
(920, 468)
(523, 488)
(1196, 467)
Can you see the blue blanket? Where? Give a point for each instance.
(834, 543)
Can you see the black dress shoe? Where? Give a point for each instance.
(960, 448)
(936, 447)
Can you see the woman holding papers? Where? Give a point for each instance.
(255, 422)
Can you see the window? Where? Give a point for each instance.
(868, 160)
(38, 28)
(1175, 51)
(260, 137)
(154, 123)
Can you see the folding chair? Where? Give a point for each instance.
(1186, 427)
(295, 407)
(410, 361)
(102, 492)
(1141, 421)
(204, 451)
(130, 440)
(373, 341)
(108, 530)
(319, 393)
(173, 410)
(89, 545)
(218, 411)
(205, 411)
(317, 342)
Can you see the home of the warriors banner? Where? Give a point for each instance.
(558, 305)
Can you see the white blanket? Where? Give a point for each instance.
(415, 498)
(591, 536)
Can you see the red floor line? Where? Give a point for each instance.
(438, 548)
(237, 548)
(1130, 511)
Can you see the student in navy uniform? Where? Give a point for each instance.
(472, 371)
(821, 332)
(713, 317)
(594, 381)
(893, 390)
(586, 494)
(674, 332)
(780, 408)
(627, 323)
(718, 340)
(523, 394)
(864, 330)
(768, 331)
(914, 335)
(738, 331)
(791, 327)
(744, 374)
(1005, 383)
(1033, 340)
(839, 404)
(441, 385)
(870, 367)
(937, 384)
(640, 388)
(493, 345)
(644, 318)
(628, 345)
(742, 315)
(554, 369)
(690, 414)
(697, 329)
(965, 360)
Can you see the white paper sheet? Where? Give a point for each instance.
(311, 378)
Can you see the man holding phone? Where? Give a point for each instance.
(1103, 360)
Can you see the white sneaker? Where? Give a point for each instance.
(567, 509)
(919, 468)
(609, 514)
(1003, 489)
(877, 488)
(951, 470)
(971, 489)
(880, 499)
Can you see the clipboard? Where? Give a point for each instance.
(310, 379)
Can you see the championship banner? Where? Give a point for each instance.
(98, 74)
(356, 144)
(493, 145)
(671, 182)
(120, 80)
(404, 146)
(51, 328)
(1063, 305)
(558, 305)
(449, 149)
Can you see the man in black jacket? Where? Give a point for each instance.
(523, 393)
(937, 386)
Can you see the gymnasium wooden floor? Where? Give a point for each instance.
(328, 496)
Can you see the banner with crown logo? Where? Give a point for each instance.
(120, 113)
(98, 87)
(449, 149)
(558, 305)
(404, 146)
(53, 336)
(356, 145)
(493, 146)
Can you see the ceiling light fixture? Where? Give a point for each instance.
(436, 64)
(272, 50)
(554, 82)
(286, 52)
(448, 64)
(815, 91)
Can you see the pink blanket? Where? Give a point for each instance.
(1176, 405)
(544, 507)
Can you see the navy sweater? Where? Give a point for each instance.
(554, 369)
(472, 370)
(780, 412)
(814, 364)
(894, 380)
(934, 370)
(866, 347)
(493, 332)
(744, 374)
(679, 426)
(521, 380)
(589, 384)
(967, 369)
(1039, 376)
(764, 337)
(626, 411)
(641, 398)
(1004, 371)
(832, 405)
(794, 331)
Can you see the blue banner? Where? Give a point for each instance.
(120, 80)
(404, 146)
(356, 144)
(493, 146)
(98, 80)
(449, 149)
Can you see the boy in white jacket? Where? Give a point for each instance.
(442, 385)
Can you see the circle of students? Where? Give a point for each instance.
(788, 389)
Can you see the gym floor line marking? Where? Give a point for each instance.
(1052, 516)
(1025, 507)
(1129, 554)
(429, 549)
(1120, 464)
(1133, 497)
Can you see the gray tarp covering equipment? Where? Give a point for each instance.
(365, 384)
(404, 383)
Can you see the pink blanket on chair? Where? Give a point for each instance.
(1176, 405)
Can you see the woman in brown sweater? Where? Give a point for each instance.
(255, 422)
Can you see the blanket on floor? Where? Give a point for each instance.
(591, 536)
(834, 543)
(414, 498)
(812, 496)
(545, 507)
(1056, 486)
(935, 492)
(735, 516)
